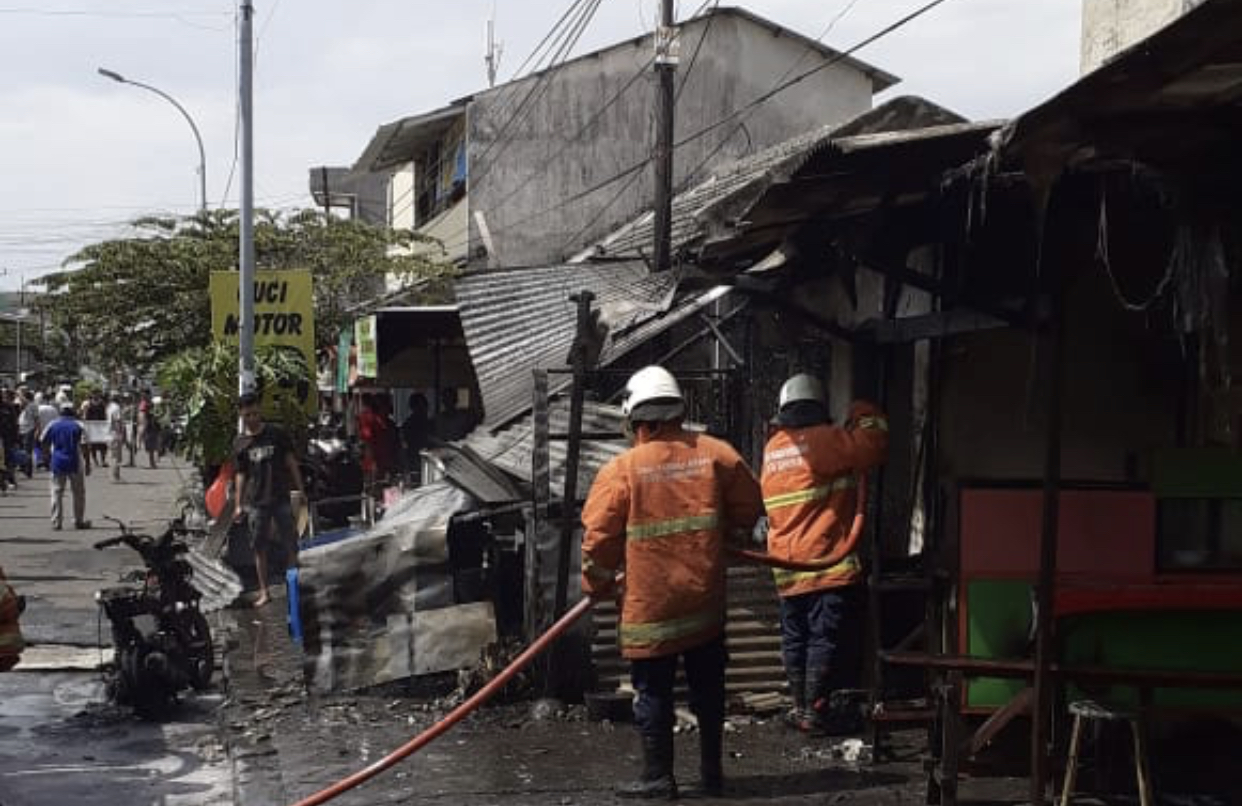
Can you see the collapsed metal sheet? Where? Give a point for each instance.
(366, 601)
(520, 320)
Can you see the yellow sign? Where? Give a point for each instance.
(284, 315)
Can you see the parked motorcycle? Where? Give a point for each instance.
(332, 473)
(161, 639)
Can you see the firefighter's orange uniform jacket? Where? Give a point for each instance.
(810, 491)
(662, 513)
(11, 644)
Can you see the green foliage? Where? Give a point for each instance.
(202, 385)
(132, 302)
(82, 390)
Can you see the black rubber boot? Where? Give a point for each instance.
(656, 782)
(711, 753)
(816, 699)
(798, 717)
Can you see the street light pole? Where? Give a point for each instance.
(202, 155)
(246, 257)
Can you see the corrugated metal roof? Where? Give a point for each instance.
(521, 320)
(637, 236)
(1161, 101)
(712, 206)
(511, 448)
(476, 475)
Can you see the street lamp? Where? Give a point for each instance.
(202, 155)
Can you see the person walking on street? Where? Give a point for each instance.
(810, 490)
(47, 414)
(69, 463)
(95, 410)
(28, 426)
(10, 439)
(148, 428)
(660, 515)
(116, 433)
(267, 472)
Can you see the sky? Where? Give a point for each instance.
(80, 156)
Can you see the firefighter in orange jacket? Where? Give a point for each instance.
(809, 478)
(11, 643)
(661, 513)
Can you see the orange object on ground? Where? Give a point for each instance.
(11, 642)
(810, 491)
(217, 495)
(664, 509)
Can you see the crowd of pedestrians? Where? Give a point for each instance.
(49, 430)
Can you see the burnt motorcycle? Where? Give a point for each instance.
(161, 639)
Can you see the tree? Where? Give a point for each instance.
(132, 302)
(202, 383)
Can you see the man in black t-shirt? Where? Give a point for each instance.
(267, 471)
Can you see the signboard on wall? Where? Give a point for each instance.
(284, 315)
(366, 337)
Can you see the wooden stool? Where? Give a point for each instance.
(1085, 711)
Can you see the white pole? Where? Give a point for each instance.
(246, 376)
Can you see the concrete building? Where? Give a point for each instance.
(529, 172)
(1111, 26)
(360, 196)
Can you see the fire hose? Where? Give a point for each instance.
(539, 645)
(457, 714)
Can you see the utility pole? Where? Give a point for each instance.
(245, 282)
(665, 66)
(21, 311)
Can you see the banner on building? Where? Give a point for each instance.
(284, 315)
(365, 336)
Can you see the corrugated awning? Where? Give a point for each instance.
(398, 142)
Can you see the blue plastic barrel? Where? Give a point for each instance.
(295, 609)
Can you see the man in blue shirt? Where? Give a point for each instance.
(62, 440)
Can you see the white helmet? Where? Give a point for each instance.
(653, 385)
(802, 387)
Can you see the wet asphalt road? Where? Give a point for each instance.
(60, 742)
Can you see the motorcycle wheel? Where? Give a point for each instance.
(202, 653)
(149, 698)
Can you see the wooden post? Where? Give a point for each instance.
(540, 493)
(569, 503)
(1052, 342)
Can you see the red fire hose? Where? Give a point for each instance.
(541, 643)
(456, 715)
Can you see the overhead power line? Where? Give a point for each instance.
(48, 12)
(540, 86)
(781, 87)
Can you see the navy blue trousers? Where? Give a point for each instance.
(653, 680)
(821, 632)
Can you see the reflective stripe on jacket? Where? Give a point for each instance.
(810, 492)
(662, 513)
(11, 643)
